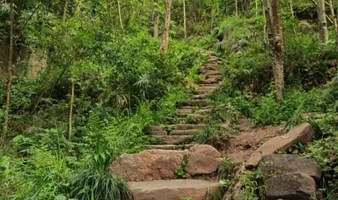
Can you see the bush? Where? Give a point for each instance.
(96, 182)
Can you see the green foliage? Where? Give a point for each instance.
(181, 172)
(96, 182)
(324, 151)
(253, 188)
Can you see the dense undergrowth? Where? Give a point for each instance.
(123, 85)
(310, 87)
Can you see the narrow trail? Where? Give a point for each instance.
(196, 109)
(154, 174)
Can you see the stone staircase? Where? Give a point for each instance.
(152, 174)
(192, 114)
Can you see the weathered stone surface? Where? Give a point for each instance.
(173, 189)
(293, 186)
(148, 165)
(300, 134)
(288, 163)
(197, 102)
(170, 146)
(173, 139)
(184, 132)
(203, 159)
(200, 164)
(206, 150)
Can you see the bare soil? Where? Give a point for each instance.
(240, 147)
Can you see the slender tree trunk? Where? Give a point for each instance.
(275, 36)
(322, 20)
(165, 39)
(236, 7)
(9, 70)
(156, 19)
(291, 8)
(256, 7)
(71, 105)
(120, 14)
(72, 93)
(334, 20)
(184, 20)
(65, 9)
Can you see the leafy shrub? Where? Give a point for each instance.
(325, 152)
(96, 182)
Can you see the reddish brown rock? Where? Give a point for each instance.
(300, 134)
(293, 186)
(148, 165)
(173, 189)
(206, 150)
(203, 160)
(288, 163)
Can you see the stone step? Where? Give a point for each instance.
(178, 127)
(213, 72)
(212, 80)
(203, 111)
(195, 113)
(217, 76)
(206, 90)
(173, 139)
(158, 132)
(189, 126)
(175, 131)
(212, 85)
(170, 146)
(198, 117)
(208, 68)
(184, 132)
(200, 96)
(185, 111)
(173, 189)
(197, 102)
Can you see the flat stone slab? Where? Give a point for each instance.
(173, 189)
(170, 146)
(173, 139)
(184, 132)
(300, 134)
(289, 163)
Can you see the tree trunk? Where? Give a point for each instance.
(236, 7)
(256, 7)
(322, 20)
(120, 14)
(64, 17)
(184, 20)
(71, 105)
(275, 37)
(291, 9)
(156, 19)
(165, 39)
(334, 20)
(9, 70)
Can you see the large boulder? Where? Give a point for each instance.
(294, 186)
(162, 164)
(203, 160)
(300, 134)
(149, 165)
(288, 163)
